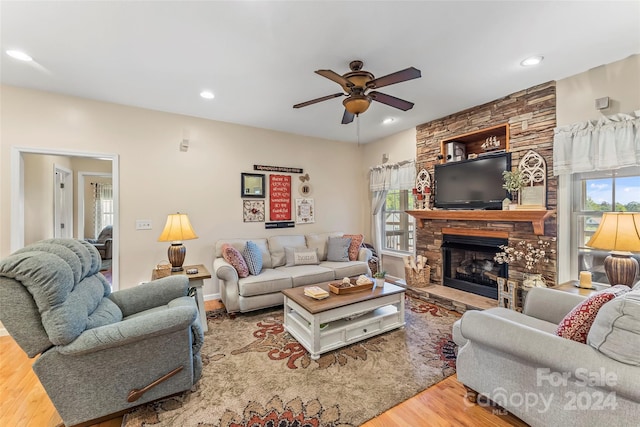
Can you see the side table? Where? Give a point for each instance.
(196, 281)
(571, 288)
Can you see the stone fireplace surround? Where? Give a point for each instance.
(530, 114)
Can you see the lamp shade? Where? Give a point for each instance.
(618, 231)
(177, 229)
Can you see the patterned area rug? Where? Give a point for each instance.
(256, 374)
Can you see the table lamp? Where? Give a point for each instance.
(177, 229)
(619, 232)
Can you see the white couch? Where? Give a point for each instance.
(517, 361)
(261, 291)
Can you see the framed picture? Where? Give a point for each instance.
(253, 210)
(252, 185)
(305, 212)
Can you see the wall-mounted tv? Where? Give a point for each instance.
(472, 184)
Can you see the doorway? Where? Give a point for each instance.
(25, 228)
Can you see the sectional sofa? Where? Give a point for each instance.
(243, 294)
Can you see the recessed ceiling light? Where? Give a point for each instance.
(388, 120)
(207, 95)
(532, 60)
(18, 54)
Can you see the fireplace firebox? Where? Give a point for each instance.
(468, 263)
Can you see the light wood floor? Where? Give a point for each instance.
(24, 403)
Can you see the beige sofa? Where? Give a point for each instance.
(517, 361)
(263, 290)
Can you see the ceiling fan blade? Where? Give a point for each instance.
(347, 117)
(398, 103)
(313, 101)
(393, 78)
(332, 75)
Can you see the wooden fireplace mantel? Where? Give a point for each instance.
(535, 217)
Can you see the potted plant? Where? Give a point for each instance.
(513, 182)
(379, 277)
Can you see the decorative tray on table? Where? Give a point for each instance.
(342, 287)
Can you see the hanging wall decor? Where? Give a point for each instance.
(253, 210)
(534, 175)
(305, 212)
(279, 197)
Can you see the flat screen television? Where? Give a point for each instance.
(472, 184)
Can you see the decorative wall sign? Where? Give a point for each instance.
(253, 210)
(279, 197)
(284, 224)
(305, 212)
(276, 169)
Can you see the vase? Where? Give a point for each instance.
(533, 280)
(379, 282)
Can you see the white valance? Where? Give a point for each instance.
(608, 143)
(397, 176)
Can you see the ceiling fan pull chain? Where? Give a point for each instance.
(358, 128)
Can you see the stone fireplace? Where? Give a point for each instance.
(530, 115)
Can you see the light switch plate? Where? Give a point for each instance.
(143, 224)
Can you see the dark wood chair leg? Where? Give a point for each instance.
(472, 395)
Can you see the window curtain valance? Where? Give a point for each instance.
(608, 143)
(397, 176)
(382, 178)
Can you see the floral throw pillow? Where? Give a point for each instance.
(576, 324)
(354, 248)
(234, 257)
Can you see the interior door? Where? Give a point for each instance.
(62, 203)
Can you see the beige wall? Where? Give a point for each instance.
(575, 103)
(156, 178)
(400, 146)
(38, 195)
(576, 95)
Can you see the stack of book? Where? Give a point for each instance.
(316, 292)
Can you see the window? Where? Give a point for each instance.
(593, 194)
(398, 233)
(103, 206)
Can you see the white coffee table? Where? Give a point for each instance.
(346, 319)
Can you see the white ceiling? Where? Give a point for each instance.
(259, 57)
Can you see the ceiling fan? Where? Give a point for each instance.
(357, 85)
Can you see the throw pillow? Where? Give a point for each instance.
(253, 257)
(234, 257)
(576, 324)
(354, 248)
(301, 256)
(616, 329)
(338, 249)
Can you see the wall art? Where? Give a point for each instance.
(305, 211)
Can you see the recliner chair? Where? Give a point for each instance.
(100, 352)
(104, 242)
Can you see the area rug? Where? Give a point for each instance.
(256, 374)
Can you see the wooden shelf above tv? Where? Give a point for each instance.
(535, 217)
(473, 140)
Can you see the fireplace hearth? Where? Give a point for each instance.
(468, 264)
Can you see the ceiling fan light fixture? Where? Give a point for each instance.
(356, 104)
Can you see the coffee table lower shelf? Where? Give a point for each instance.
(345, 325)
